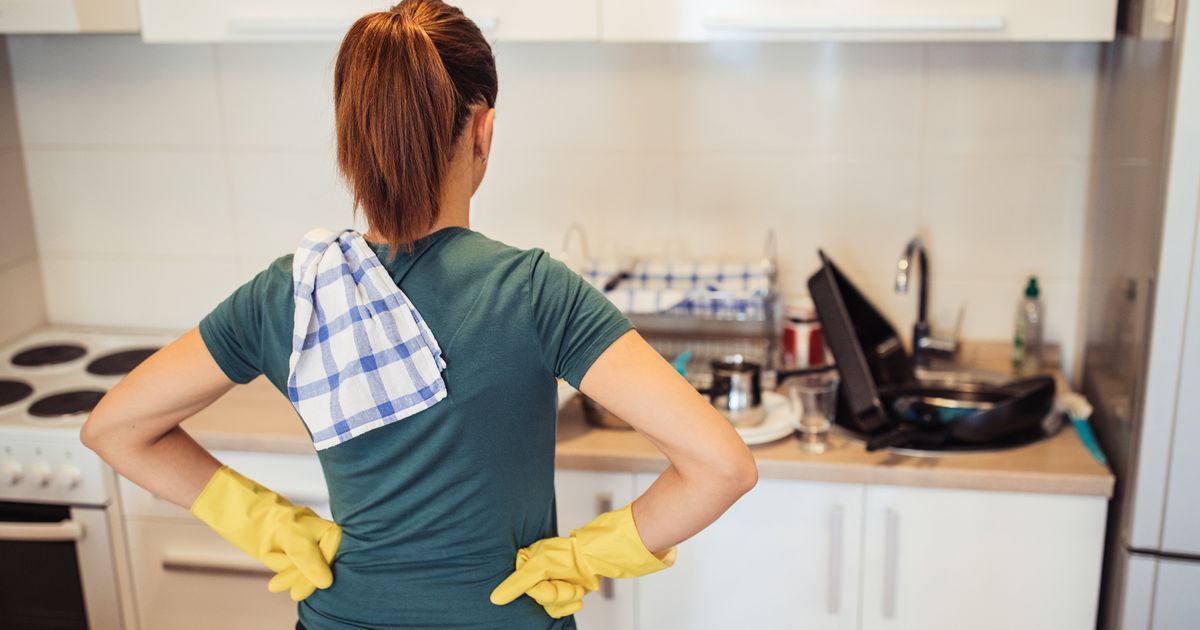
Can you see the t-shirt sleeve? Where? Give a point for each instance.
(232, 331)
(574, 321)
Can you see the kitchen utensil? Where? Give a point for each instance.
(1078, 409)
(736, 390)
(966, 413)
(680, 362)
(881, 397)
(815, 397)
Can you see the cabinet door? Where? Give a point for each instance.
(786, 555)
(68, 16)
(327, 20)
(581, 496)
(950, 559)
(875, 20)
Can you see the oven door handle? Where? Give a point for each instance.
(62, 531)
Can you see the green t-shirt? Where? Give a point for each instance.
(435, 506)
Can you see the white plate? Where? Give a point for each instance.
(780, 422)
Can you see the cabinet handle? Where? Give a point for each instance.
(319, 25)
(272, 25)
(193, 561)
(891, 561)
(62, 531)
(765, 23)
(1164, 11)
(837, 524)
(604, 503)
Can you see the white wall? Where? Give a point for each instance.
(23, 307)
(164, 175)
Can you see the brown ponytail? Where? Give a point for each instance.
(403, 87)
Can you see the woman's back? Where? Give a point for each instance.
(435, 506)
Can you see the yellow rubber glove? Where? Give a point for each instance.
(292, 541)
(557, 572)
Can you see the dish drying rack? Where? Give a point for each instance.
(706, 333)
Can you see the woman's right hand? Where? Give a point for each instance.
(291, 540)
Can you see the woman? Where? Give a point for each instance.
(441, 482)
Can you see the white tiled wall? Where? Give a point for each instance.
(23, 306)
(164, 175)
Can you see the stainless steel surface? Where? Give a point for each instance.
(736, 390)
(924, 344)
(604, 503)
(891, 561)
(837, 530)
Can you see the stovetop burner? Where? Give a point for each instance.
(12, 391)
(65, 404)
(117, 363)
(50, 354)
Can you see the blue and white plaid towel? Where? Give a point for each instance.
(362, 357)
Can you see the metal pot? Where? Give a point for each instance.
(736, 390)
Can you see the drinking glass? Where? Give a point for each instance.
(815, 396)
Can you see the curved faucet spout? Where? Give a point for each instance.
(914, 252)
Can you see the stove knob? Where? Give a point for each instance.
(70, 477)
(11, 472)
(41, 474)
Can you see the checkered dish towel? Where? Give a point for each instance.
(362, 357)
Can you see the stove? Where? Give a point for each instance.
(52, 378)
(56, 495)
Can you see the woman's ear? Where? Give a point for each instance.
(483, 123)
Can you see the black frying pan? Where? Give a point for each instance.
(929, 415)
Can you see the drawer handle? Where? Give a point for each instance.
(837, 523)
(62, 531)
(763, 23)
(891, 561)
(604, 503)
(213, 563)
(271, 25)
(1164, 11)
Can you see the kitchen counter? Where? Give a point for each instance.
(256, 417)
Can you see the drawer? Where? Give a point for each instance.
(187, 577)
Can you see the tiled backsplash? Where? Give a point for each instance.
(162, 176)
(20, 277)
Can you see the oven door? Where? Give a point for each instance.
(56, 568)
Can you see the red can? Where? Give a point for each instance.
(803, 344)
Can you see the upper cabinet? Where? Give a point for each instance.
(327, 20)
(858, 20)
(68, 16)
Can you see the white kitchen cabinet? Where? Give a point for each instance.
(939, 559)
(786, 555)
(327, 20)
(68, 16)
(867, 20)
(187, 577)
(181, 568)
(580, 497)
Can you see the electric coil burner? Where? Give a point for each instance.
(118, 363)
(12, 391)
(66, 404)
(50, 354)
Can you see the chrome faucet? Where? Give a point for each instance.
(924, 344)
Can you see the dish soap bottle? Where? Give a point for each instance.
(1027, 342)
